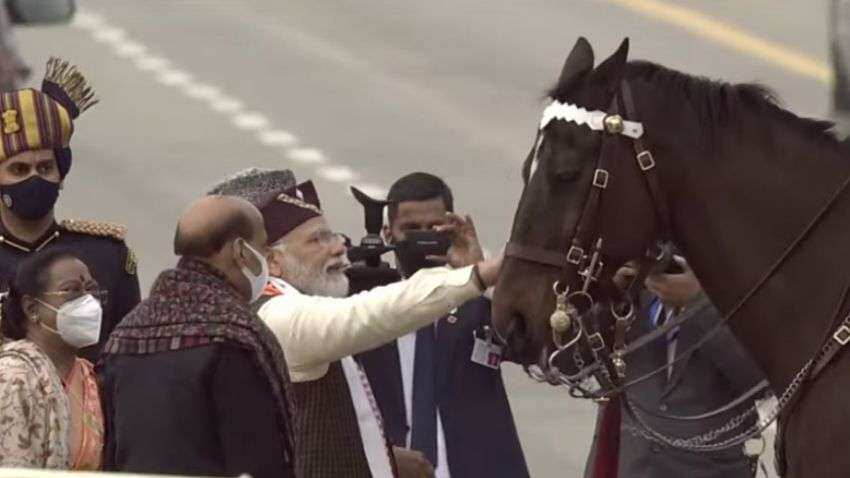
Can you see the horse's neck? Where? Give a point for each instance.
(736, 213)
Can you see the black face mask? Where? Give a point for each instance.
(412, 252)
(32, 198)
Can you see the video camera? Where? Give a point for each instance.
(413, 253)
(368, 270)
(372, 245)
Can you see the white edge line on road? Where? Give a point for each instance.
(337, 174)
(264, 132)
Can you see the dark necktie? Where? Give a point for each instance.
(424, 426)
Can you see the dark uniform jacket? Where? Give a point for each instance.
(714, 375)
(101, 246)
(203, 411)
(481, 438)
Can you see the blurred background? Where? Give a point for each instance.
(362, 92)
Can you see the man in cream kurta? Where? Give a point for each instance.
(315, 331)
(319, 333)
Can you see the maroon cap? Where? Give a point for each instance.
(290, 209)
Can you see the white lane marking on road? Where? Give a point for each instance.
(337, 174)
(109, 34)
(276, 137)
(174, 78)
(225, 104)
(200, 91)
(164, 72)
(250, 120)
(87, 20)
(129, 49)
(306, 155)
(151, 63)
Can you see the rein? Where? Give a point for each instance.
(609, 370)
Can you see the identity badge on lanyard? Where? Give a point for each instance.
(485, 352)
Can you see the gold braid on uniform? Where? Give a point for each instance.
(95, 228)
(298, 202)
(72, 81)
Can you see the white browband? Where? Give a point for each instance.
(595, 120)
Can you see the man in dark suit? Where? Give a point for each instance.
(440, 389)
(714, 375)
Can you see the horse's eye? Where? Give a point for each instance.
(566, 165)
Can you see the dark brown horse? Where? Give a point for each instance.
(756, 202)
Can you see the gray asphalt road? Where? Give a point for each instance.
(370, 90)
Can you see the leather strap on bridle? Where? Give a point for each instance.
(641, 341)
(582, 235)
(646, 163)
(575, 254)
(743, 398)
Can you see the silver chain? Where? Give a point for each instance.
(702, 443)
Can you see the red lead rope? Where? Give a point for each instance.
(606, 461)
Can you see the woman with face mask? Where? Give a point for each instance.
(50, 409)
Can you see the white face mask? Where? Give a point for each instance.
(258, 282)
(78, 321)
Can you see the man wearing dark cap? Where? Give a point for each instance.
(319, 330)
(193, 383)
(35, 157)
(258, 186)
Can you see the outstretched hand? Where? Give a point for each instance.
(465, 250)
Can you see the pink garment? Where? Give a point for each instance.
(86, 425)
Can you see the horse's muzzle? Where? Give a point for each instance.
(518, 344)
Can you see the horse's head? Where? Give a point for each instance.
(560, 174)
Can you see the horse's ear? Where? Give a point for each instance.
(610, 71)
(579, 63)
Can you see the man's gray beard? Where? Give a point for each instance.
(314, 281)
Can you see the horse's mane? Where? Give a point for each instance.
(716, 101)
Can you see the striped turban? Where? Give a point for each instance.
(32, 120)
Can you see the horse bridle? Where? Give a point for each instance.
(583, 258)
(587, 267)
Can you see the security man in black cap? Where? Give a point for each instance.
(34, 159)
